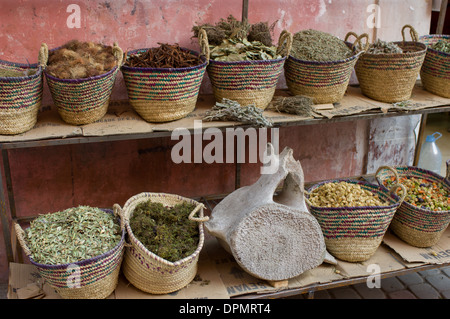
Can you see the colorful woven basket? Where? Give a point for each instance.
(98, 276)
(246, 82)
(354, 233)
(391, 77)
(435, 71)
(324, 82)
(417, 226)
(146, 270)
(20, 98)
(83, 101)
(163, 94)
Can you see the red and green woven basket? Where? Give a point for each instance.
(435, 71)
(418, 226)
(20, 98)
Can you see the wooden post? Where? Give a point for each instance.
(244, 10)
(441, 20)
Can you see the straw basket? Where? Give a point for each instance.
(246, 82)
(354, 233)
(323, 81)
(83, 101)
(435, 72)
(146, 270)
(391, 77)
(163, 94)
(417, 226)
(98, 276)
(20, 98)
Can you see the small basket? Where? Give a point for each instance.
(83, 101)
(354, 233)
(163, 94)
(324, 82)
(391, 77)
(146, 270)
(435, 71)
(417, 226)
(20, 98)
(98, 276)
(246, 82)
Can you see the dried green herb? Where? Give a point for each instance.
(72, 235)
(314, 45)
(14, 74)
(242, 50)
(298, 105)
(230, 110)
(165, 231)
(441, 45)
(383, 47)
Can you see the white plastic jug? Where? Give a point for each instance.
(430, 156)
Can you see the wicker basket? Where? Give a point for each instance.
(418, 227)
(354, 233)
(98, 275)
(20, 98)
(246, 82)
(435, 71)
(324, 82)
(146, 270)
(83, 101)
(163, 94)
(391, 77)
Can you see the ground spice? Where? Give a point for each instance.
(314, 45)
(164, 56)
(165, 231)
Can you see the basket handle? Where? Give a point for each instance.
(118, 53)
(397, 180)
(20, 234)
(285, 49)
(204, 44)
(43, 55)
(404, 191)
(200, 219)
(412, 32)
(117, 210)
(447, 177)
(358, 40)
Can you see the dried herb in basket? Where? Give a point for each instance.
(441, 45)
(383, 47)
(164, 56)
(72, 235)
(165, 231)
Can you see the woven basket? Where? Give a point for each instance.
(146, 270)
(435, 71)
(246, 82)
(98, 276)
(20, 98)
(391, 77)
(324, 82)
(418, 227)
(354, 233)
(163, 94)
(83, 101)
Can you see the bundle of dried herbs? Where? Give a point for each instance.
(383, 47)
(441, 45)
(230, 110)
(242, 50)
(261, 32)
(72, 235)
(164, 56)
(298, 105)
(222, 30)
(165, 231)
(314, 45)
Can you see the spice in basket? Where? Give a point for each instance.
(441, 45)
(77, 60)
(383, 47)
(72, 235)
(164, 56)
(314, 45)
(344, 194)
(224, 29)
(4, 73)
(242, 50)
(165, 231)
(423, 193)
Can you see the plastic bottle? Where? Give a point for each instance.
(430, 156)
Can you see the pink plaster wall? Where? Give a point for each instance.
(100, 174)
